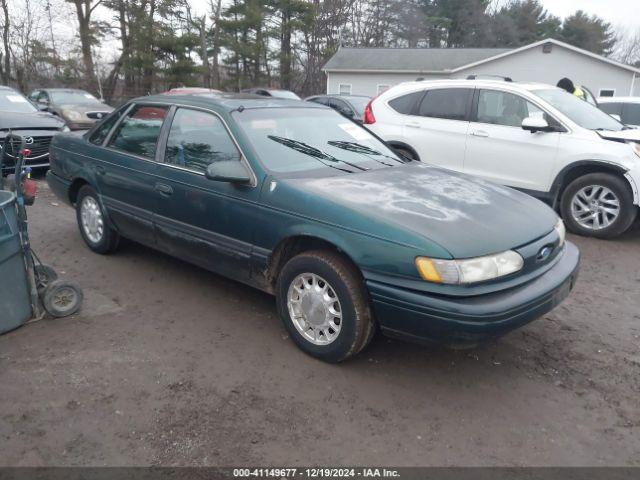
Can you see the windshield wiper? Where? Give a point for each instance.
(314, 153)
(363, 149)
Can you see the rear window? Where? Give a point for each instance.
(447, 103)
(406, 103)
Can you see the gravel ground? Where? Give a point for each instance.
(168, 364)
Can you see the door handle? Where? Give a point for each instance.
(163, 189)
(413, 125)
(480, 133)
(100, 170)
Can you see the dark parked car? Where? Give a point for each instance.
(19, 116)
(78, 108)
(288, 197)
(272, 92)
(350, 106)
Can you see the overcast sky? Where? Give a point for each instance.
(623, 13)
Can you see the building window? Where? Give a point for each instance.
(607, 92)
(382, 88)
(344, 89)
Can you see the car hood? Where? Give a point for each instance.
(35, 120)
(633, 134)
(416, 202)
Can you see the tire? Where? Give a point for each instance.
(44, 276)
(61, 298)
(587, 216)
(405, 152)
(356, 325)
(99, 236)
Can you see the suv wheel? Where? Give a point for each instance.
(95, 230)
(598, 205)
(324, 305)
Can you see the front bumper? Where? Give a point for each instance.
(459, 320)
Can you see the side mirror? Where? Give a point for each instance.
(42, 106)
(230, 171)
(616, 117)
(536, 124)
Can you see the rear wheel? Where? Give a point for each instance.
(95, 230)
(324, 305)
(598, 205)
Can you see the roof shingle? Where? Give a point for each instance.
(408, 59)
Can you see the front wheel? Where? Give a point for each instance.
(92, 221)
(324, 305)
(598, 205)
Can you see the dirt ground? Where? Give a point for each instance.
(168, 364)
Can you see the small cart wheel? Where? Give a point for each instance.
(61, 298)
(44, 276)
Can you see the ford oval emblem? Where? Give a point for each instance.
(544, 253)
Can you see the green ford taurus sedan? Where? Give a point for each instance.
(296, 200)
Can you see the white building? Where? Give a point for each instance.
(369, 71)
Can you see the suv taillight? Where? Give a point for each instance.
(369, 118)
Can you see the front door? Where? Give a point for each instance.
(125, 171)
(499, 150)
(200, 220)
(437, 129)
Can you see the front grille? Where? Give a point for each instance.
(97, 115)
(39, 147)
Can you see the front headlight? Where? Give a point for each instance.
(636, 148)
(66, 129)
(562, 231)
(71, 115)
(469, 270)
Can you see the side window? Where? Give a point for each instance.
(197, 139)
(103, 129)
(611, 108)
(138, 133)
(631, 114)
(503, 108)
(42, 96)
(33, 96)
(447, 103)
(406, 103)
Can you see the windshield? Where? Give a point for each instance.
(579, 111)
(73, 97)
(12, 101)
(303, 139)
(284, 94)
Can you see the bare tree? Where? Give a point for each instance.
(628, 47)
(6, 68)
(84, 10)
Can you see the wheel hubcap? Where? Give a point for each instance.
(92, 221)
(64, 299)
(314, 308)
(595, 207)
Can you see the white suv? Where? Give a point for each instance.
(533, 137)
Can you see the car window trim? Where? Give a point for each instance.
(476, 100)
(113, 129)
(92, 130)
(164, 135)
(467, 113)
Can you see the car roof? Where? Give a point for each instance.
(226, 101)
(619, 100)
(336, 95)
(59, 89)
(477, 83)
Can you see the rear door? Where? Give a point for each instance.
(437, 127)
(126, 170)
(203, 221)
(499, 150)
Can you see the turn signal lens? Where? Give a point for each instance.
(469, 270)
